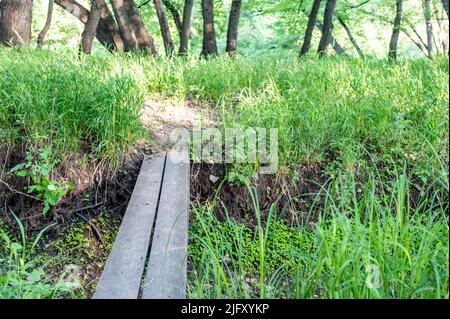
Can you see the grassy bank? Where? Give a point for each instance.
(55, 100)
(376, 131)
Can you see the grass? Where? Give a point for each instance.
(377, 130)
(369, 246)
(88, 106)
(20, 275)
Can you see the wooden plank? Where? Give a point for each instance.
(166, 271)
(121, 277)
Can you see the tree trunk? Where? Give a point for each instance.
(175, 14)
(445, 5)
(396, 31)
(107, 34)
(121, 8)
(91, 25)
(233, 24)
(310, 27)
(209, 33)
(350, 36)
(334, 43)
(144, 39)
(443, 34)
(164, 25)
(429, 26)
(48, 22)
(185, 27)
(15, 22)
(327, 27)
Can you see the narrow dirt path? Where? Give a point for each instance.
(160, 117)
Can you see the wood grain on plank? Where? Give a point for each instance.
(121, 277)
(166, 271)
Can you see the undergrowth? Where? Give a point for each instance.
(369, 246)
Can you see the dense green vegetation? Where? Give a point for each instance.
(56, 100)
(380, 125)
(358, 207)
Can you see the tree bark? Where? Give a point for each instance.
(107, 33)
(396, 31)
(310, 27)
(334, 43)
(443, 32)
(144, 39)
(429, 26)
(185, 27)
(233, 25)
(164, 26)
(327, 27)
(175, 14)
(121, 8)
(15, 22)
(91, 25)
(48, 22)
(209, 33)
(445, 5)
(350, 36)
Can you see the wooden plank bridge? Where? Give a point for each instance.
(148, 258)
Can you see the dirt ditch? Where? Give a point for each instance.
(84, 223)
(293, 198)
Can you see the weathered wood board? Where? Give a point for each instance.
(121, 277)
(166, 271)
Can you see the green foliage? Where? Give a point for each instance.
(20, 277)
(56, 100)
(39, 169)
(369, 246)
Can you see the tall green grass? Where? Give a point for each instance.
(339, 113)
(54, 99)
(378, 130)
(372, 245)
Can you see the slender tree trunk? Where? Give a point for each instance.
(48, 22)
(429, 26)
(209, 33)
(327, 27)
(443, 31)
(445, 5)
(164, 25)
(413, 29)
(185, 27)
(145, 41)
(233, 25)
(175, 14)
(15, 22)
(443, 34)
(350, 36)
(310, 27)
(91, 25)
(107, 34)
(396, 30)
(334, 43)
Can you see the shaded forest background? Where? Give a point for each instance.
(276, 27)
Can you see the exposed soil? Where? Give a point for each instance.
(97, 188)
(294, 199)
(94, 210)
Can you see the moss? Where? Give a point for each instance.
(285, 248)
